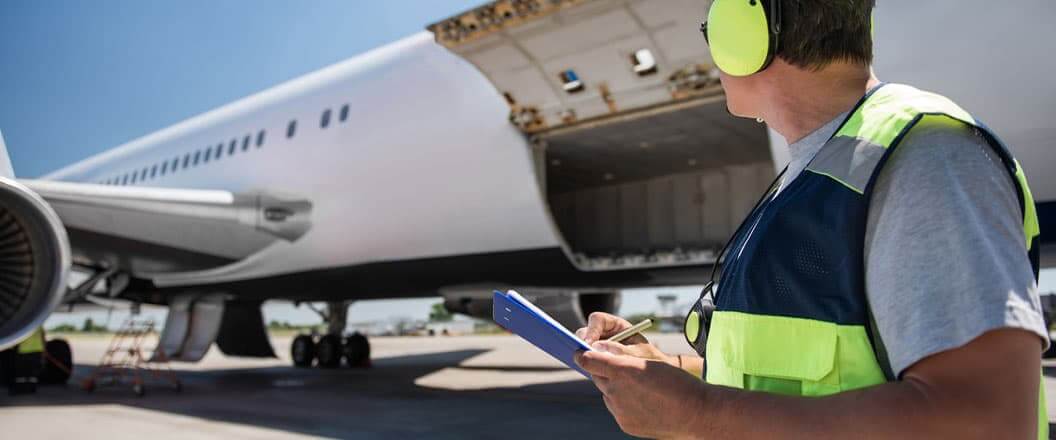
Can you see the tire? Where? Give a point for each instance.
(357, 351)
(328, 351)
(58, 352)
(302, 351)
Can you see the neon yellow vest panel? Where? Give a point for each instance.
(33, 344)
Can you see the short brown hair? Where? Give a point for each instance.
(816, 33)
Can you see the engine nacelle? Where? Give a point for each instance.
(34, 261)
(569, 307)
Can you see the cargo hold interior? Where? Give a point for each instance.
(662, 186)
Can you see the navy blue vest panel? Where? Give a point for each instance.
(803, 257)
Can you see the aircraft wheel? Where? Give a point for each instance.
(58, 364)
(302, 351)
(328, 351)
(357, 351)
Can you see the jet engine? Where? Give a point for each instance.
(569, 307)
(34, 261)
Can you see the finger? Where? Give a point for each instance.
(592, 332)
(598, 325)
(636, 339)
(610, 347)
(595, 363)
(581, 333)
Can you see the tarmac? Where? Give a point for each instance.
(494, 386)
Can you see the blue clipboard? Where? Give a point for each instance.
(514, 313)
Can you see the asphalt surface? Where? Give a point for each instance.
(419, 387)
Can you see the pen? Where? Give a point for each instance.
(631, 331)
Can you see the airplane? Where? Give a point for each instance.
(565, 148)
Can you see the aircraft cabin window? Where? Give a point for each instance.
(570, 81)
(153, 171)
(143, 175)
(124, 180)
(164, 167)
(133, 180)
(344, 113)
(175, 163)
(260, 138)
(197, 155)
(207, 153)
(325, 120)
(245, 143)
(219, 151)
(291, 129)
(186, 160)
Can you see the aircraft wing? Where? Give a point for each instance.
(148, 231)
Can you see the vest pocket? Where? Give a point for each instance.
(772, 353)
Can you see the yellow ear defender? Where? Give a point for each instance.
(743, 34)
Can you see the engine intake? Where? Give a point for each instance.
(34, 261)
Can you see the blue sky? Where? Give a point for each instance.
(78, 77)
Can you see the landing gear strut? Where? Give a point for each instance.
(328, 350)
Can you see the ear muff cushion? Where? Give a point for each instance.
(739, 36)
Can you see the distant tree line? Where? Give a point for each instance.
(285, 325)
(89, 326)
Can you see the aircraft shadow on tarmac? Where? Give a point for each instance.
(379, 402)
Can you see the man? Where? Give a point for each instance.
(885, 288)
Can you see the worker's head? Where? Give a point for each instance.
(755, 42)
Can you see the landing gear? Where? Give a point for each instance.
(357, 351)
(58, 362)
(302, 351)
(330, 349)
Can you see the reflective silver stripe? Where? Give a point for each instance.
(849, 161)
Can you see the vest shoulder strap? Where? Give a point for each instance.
(879, 122)
(893, 108)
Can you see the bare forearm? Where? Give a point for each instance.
(692, 364)
(894, 410)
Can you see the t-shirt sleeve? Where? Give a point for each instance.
(945, 254)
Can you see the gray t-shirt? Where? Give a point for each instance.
(945, 254)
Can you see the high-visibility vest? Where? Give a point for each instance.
(33, 344)
(791, 313)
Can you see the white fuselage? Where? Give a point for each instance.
(427, 164)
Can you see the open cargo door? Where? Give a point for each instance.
(640, 161)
